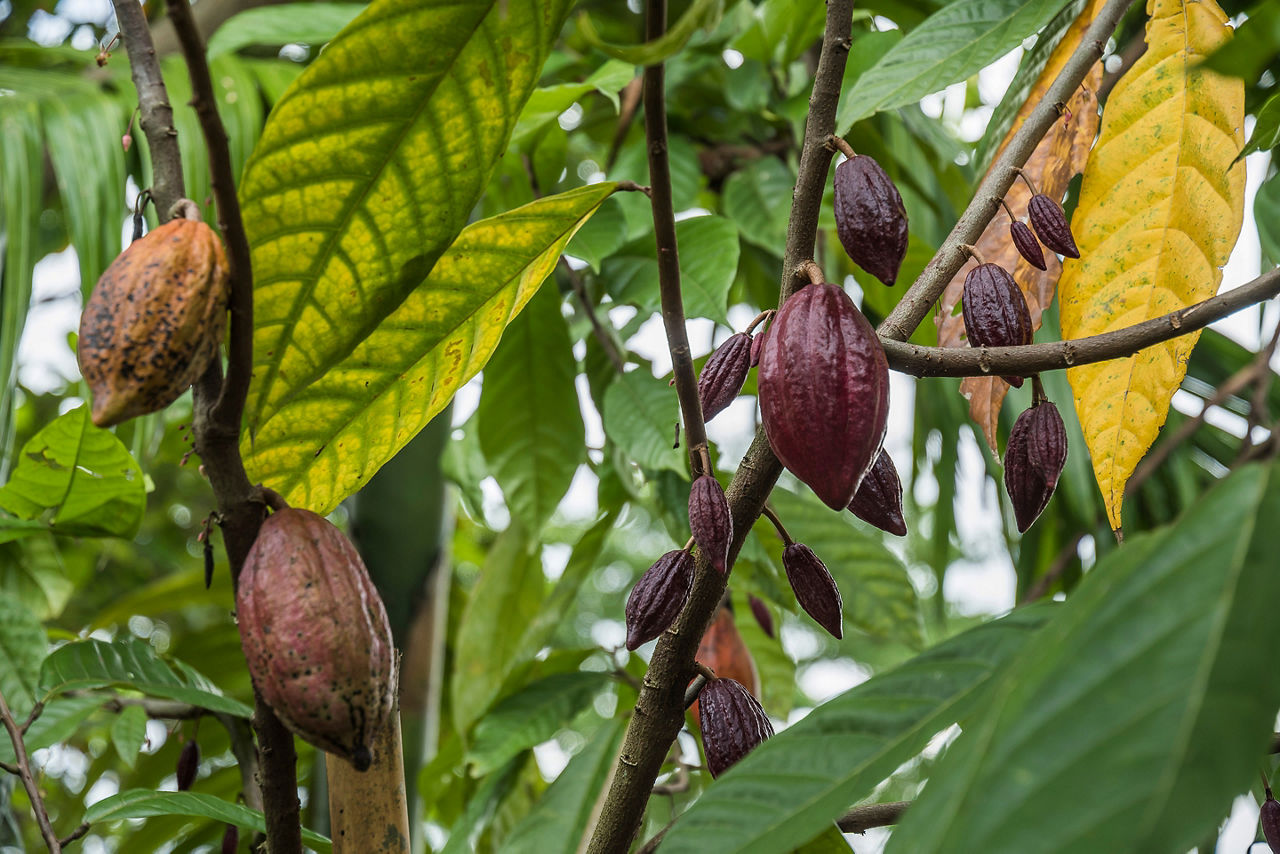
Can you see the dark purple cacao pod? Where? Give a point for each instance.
(1050, 223)
(1033, 461)
(870, 219)
(733, 723)
(1028, 246)
(710, 521)
(815, 589)
(188, 764)
(723, 374)
(757, 344)
(878, 500)
(760, 611)
(658, 596)
(231, 839)
(824, 391)
(995, 311)
(1270, 818)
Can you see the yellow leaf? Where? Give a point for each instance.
(1160, 209)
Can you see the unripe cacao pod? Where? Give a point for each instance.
(757, 344)
(760, 611)
(1026, 243)
(1033, 461)
(710, 521)
(726, 654)
(658, 596)
(316, 636)
(878, 500)
(154, 321)
(733, 724)
(723, 374)
(231, 839)
(871, 221)
(188, 764)
(815, 589)
(1050, 223)
(995, 311)
(824, 391)
(1269, 816)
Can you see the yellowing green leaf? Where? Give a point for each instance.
(1159, 211)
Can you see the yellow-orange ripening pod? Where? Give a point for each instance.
(316, 636)
(154, 321)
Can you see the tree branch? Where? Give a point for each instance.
(861, 819)
(28, 780)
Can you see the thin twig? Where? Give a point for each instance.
(598, 329)
(1261, 389)
(28, 779)
(772, 516)
(75, 834)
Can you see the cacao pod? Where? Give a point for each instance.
(1033, 461)
(1050, 223)
(871, 221)
(1269, 815)
(757, 344)
(995, 311)
(824, 391)
(723, 374)
(733, 723)
(878, 500)
(710, 521)
(154, 321)
(316, 636)
(231, 839)
(760, 611)
(188, 764)
(1028, 246)
(815, 589)
(658, 596)
(723, 650)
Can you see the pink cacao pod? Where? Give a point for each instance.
(1033, 461)
(995, 311)
(878, 500)
(871, 221)
(658, 596)
(723, 374)
(710, 521)
(824, 391)
(815, 589)
(733, 723)
(1027, 245)
(1050, 223)
(316, 636)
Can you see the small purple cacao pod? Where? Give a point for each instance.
(870, 218)
(658, 596)
(1033, 461)
(723, 374)
(824, 391)
(1028, 246)
(710, 520)
(1270, 818)
(231, 839)
(760, 611)
(995, 311)
(733, 723)
(878, 500)
(188, 764)
(1050, 223)
(815, 589)
(757, 344)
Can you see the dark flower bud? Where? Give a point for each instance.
(995, 311)
(870, 218)
(188, 764)
(710, 520)
(724, 373)
(815, 589)
(1028, 246)
(878, 500)
(1050, 223)
(733, 723)
(1033, 460)
(658, 596)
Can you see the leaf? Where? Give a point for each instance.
(528, 421)
(757, 199)
(23, 644)
(58, 721)
(74, 479)
(548, 102)
(810, 773)
(1159, 211)
(128, 731)
(1253, 46)
(953, 43)
(1266, 213)
(600, 236)
(309, 23)
(33, 574)
(708, 250)
(529, 717)
(640, 414)
(582, 560)
(826, 842)
(21, 178)
(146, 803)
(700, 14)
(334, 434)
(368, 168)
(1266, 131)
(465, 833)
(1143, 698)
(88, 664)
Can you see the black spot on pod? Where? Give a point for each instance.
(724, 373)
(1050, 223)
(878, 500)
(815, 589)
(733, 723)
(1028, 246)
(1033, 461)
(658, 596)
(870, 218)
(710, 521)
(995, 311)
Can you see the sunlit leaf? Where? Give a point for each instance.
(699, 14)
(308, 23)
(640, 414)
(23, 644)
(530, 716)
(146, 803)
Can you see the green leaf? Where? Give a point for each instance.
(548, 102)
(58, 721)
(953, 43)
(1252, 48)
(369, 167)
(1266, 131)
(333, 434)
(23, 644)
(530, 716)
(308, 23)
(146, 803)
(74, 479)
(134, 664)
(21, 175)
(758, 200)
(562, 597)
(128, 731)
(700, 14)
(33, 574)
(827, 842)
(465, 833)
(528, 421)
(810, 773)
(1266, 212)
(640, 414)
(601, 236)
(1146, 698)
(708, 250)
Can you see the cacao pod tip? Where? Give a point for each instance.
(361, 758)
(710, 521)
(1027, 245)
(1051, 226)
(723, 374)
(815, 589)
(733, 723)
(878, 500)
(657, 597)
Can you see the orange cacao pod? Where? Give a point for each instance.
(154, 321)
(316, 636)
(723, 650)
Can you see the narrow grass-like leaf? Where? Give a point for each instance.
(147, 803)
(307, 23)
(530, 716)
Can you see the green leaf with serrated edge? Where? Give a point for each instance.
(530, 716)
(308, 23)
(708, 250)
(334, 434)
(128, 731)
(1145, 698)
(640, 414)
(58, 721)
(700, 14)
(146, 803)
(953, 43)
(134, 664)
(758, 200)
(582, 560)
(368, 168)
(814, 770)
(75, 479)
(23, 644)
(528, 422)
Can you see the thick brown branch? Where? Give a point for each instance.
(23, 767)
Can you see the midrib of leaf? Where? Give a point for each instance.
(75, 464)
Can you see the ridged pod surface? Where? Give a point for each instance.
(658, 596)
(824, 391)
(723, 374)
(871, 220)
(815, 589)
(154, 321)
(1050, 223)
(1027, 245)
(1269, 816)
(733, 724)
(723, 650)
(710, 521)
(1033, 461)
(995, 311)
(316, 636)
(878, 500)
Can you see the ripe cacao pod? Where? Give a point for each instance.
(995, 311)
(154, 321)
(824, 391)
(723, 374)
(188, 764)
(1027, 245)
(658, 596)
(1050, 223)
(878, 500)
(815, 589)
(723, 650)
(733, 723)
(760, 611)
(1033, 461)
(710, 521)
(1270, 818)
(316, 636)
(870, 218)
